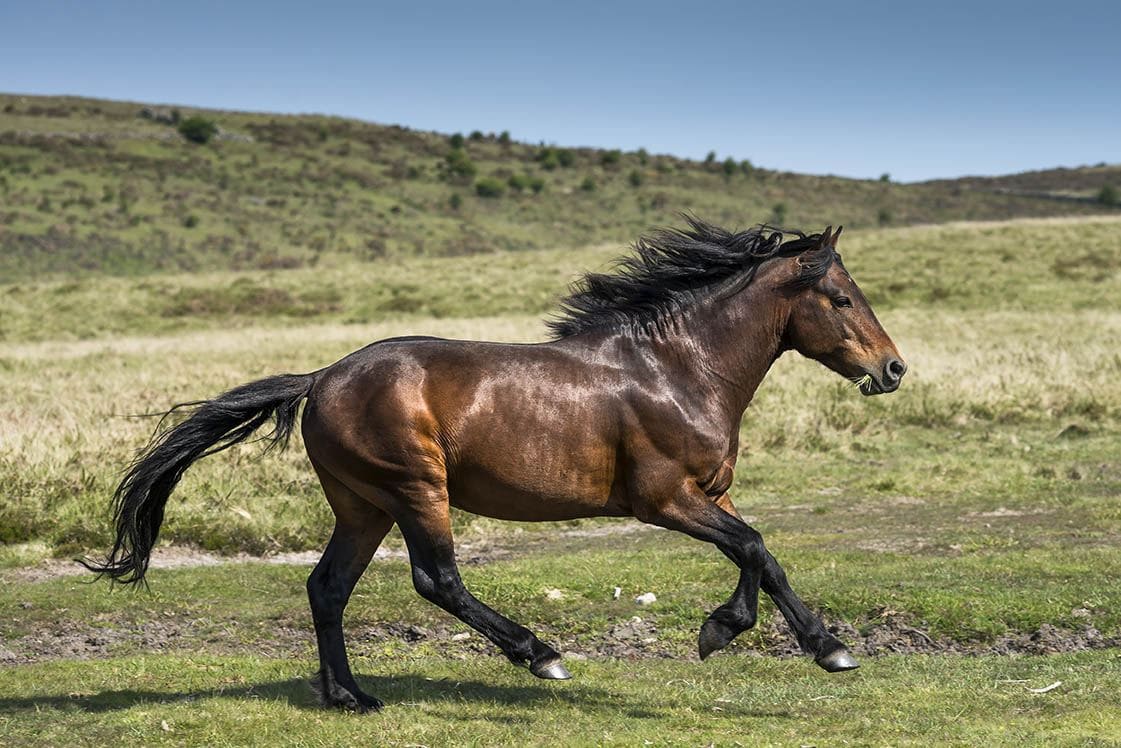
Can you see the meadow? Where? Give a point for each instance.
(962, 534)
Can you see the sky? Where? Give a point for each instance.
(916, 90)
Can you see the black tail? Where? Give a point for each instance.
(215, 425)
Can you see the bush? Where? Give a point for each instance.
(610, 158)
(518, 182)
(537, 184)
(885, 177)
(456, 141)
(747, 167)
(459, 164)
(778, 214)
(190, 221)
(198, 129)
(504, 137)
(1108, 195)
(643, 156)
(588, 185)
(489, 187)
(455, 201)
(476, 135)
(884, 217)
(635, 178)
(548, 158)
(729, 167)
(710, 159)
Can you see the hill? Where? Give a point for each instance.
(93, 186)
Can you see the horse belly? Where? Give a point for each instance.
(536, 480)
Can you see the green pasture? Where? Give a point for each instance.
(978, 507)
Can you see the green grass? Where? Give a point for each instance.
(977, 504)
(89, 187)
(218, 701)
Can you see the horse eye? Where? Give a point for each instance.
(842, 301)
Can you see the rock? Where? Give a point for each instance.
(554, 594)
(462, 636)
(646, 598)
(416, 633)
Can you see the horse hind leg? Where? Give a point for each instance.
(427, 531)
(359, 530)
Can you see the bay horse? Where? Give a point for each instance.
(632, 409)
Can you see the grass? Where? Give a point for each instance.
(977, 504)
(87, 186)
(217, 701)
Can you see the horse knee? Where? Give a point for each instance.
(326, 599)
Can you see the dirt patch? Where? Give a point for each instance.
(633, 638)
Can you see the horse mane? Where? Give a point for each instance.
(672, 268)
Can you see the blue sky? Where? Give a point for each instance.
(920, 90)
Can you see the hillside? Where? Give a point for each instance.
(113, 188)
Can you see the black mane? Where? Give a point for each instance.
(671, 268)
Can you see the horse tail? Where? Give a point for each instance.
(214, 425)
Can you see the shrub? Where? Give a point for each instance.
(456, 141)
(548, 158)
(537, 184)
(489, 187)
(885, 177)
(729, 167)
(1108, 195)
(747, 167)
(476, 135)
(565, 158)
(778, 214)
(635, 178)
(710, 159)
(643, 156)
(190, 221)
(455, 201)
(884, 217)
(588, 185)
(198, 129)
(459, 164)
(504, 137)
(610, 158)
(518, 182)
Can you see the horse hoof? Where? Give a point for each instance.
(714, 636)
(552, 670)
(837, 661)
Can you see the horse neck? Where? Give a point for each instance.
(729, 345)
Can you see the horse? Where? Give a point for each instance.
(631, 409)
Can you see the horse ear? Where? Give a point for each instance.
(836, 236)
(825, 238)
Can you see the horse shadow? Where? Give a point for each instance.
(393, 691)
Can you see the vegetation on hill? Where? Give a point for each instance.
(120, 188)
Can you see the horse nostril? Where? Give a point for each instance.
(894, 370)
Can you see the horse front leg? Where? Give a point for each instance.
(718, 522)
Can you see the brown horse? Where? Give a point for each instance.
(633, 409)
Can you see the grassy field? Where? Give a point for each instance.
(89, 186)
(975, 511)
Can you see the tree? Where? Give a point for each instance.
(1108, 195)
(456, 141)
(729, 167)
